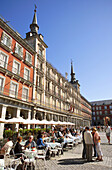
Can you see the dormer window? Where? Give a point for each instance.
(6, 41)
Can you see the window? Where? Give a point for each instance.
(40, 52)
(94, 118)
(2, 81)
(110, 111)
(16, 67)
(97, 113)
(26, 73)
(98, 118)
(25, 93)
(6, 39)
(3, 60)
(47, 86)
(96, 108)
(93, 113)
(93, 108)
(99, 107)
(40, 66)
(59, 81)
(105, 112)
(100, 112)
(13, 89)
(28, 57)
(105, 107)
(110, 106)
(18, 49)
(39, 81)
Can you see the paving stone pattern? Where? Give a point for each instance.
(72, 159)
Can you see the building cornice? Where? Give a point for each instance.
(16, 36)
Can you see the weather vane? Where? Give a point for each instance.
(35, 8)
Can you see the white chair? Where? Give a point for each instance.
(14, 164)
(70, 144)
(41, 154)
(29, 160)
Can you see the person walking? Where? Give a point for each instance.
(97, 141)
(89, 142)
(84, 145)
(108, 131)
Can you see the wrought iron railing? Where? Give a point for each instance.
(14, 94)
(15, 71)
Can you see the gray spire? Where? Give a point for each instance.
(34, 26)
(72, 74)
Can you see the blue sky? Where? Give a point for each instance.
(80, 30)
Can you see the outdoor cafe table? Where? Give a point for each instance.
(29, 153)
(30, 157)
(53, 145)
(68, 140)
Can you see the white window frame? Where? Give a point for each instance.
(105, 107)
(106, 112)
(10, 89)
(27, 53)
(1, 90)
(41, 54)
(98, 118)
(100, 112)
(16, 49)
(99, 107)
(1, 52)
(25, 99)
(25, 75)
(110, 107)
(14, 67)
(93, 113)
(2, 40)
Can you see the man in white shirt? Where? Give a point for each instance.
(89, 142)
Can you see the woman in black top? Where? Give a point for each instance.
(18, 147)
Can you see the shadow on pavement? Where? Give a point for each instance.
(71, 161)
(106, 144)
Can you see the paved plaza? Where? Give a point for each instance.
(72, 159)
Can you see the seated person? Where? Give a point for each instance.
(7, 147)
(30, 143)
(40, 142)
(59, 136)
(18, 147)
(69, 134)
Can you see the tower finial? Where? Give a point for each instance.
(34, 26)
(35, 10)
(72, 74)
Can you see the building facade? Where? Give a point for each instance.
(100, 111)
(30, 87)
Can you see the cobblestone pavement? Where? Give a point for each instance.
(71, 160)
